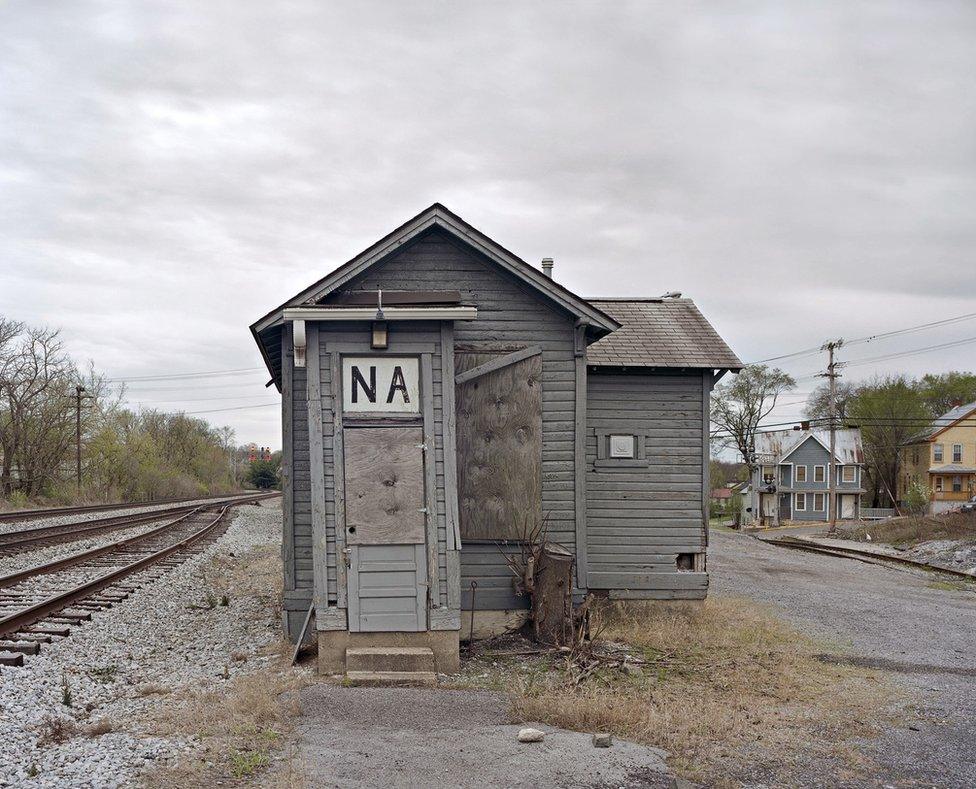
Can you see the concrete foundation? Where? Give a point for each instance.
(334, 643)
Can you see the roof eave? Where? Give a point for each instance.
(438, 215)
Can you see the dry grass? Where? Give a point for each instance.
(153, 689)
(242, 726)
(99, 727)
(719, 685)
(54, 730)
(257, 575)
(239, 727)
(911, 530)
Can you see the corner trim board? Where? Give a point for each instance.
(579, 459)
(316, 460)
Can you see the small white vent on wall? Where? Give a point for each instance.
(622, 446)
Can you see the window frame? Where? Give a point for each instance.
(763, 476)
(823, 502)
(603, 459)
(823, 473)
(957, 486)
(843, 473)
(938, 453)
(796, 502)
(796, 473)
(957, 455)
(939, 484)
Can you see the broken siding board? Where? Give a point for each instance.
(497, 363)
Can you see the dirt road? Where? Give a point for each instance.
(905, 623)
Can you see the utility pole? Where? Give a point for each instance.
(78, 394)
(832, 375)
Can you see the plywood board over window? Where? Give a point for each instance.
(499, 448)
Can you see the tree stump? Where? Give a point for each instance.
(552, 597)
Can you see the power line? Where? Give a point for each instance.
(872, 337)
(897, 355)
(183, 376)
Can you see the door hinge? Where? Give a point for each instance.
(422, 446)
(423, 510)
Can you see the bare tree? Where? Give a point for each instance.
(738, 407)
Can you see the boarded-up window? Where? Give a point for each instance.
(499, 448)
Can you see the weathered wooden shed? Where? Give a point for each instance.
(441, 398)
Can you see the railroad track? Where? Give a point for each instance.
(53, 512)
(869, 557)
(13, 542)
(43, 603)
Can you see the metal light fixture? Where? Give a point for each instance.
(379, 339)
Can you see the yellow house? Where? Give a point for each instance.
(944, 458)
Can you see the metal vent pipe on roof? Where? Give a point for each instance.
(547, 264)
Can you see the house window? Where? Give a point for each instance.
(819, 473)
(818, 502)
(957, 453)
(937, 453)
(848, 474)
(768, 475)
(914, 457)
(801, 473)
(957, 484)
(623, 446)
(801, 502)
(938, 484)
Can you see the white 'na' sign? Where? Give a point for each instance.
(381, 384)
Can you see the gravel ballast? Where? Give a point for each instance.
(164, 637)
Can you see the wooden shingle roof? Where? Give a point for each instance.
(659, 333)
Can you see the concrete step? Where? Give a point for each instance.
(384, 659)
(412, 678)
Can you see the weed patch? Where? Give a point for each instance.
(720, 685)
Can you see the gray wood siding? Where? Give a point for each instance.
(508, 315)
(640, 515)
(332, 334)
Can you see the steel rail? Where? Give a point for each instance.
(868, 557)
(78, 558)
(77, 530)
(53, 512)
(42, 610)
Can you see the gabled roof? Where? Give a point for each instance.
(947, 420)
(778, 445)
(659, 333)
(267, 334)
(437, 216)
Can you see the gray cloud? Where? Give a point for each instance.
(169, 171)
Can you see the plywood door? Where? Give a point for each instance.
(847, 507)
(384, 485)
(499, 448)
(385, 528)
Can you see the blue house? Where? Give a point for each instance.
(792, 479)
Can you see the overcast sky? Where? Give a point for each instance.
(170, 171)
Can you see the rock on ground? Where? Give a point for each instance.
(366, 737)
